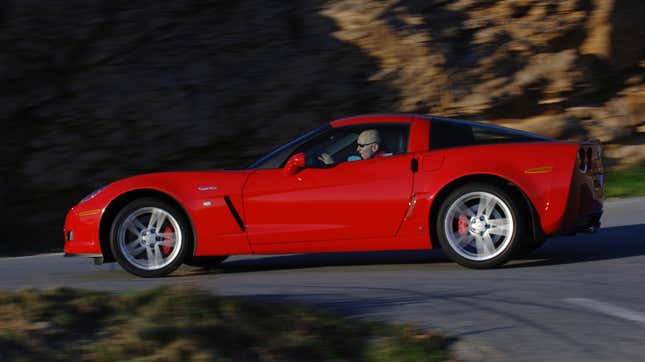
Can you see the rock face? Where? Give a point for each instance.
(91, 91)
(568, 69)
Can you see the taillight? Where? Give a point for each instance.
(583, 161)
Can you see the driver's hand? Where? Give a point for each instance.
(326, 159)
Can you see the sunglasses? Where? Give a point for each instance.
(365, 144)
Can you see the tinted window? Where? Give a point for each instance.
(278, 157)
(444, 134)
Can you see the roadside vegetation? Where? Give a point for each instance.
(627, 183)
(184, 324)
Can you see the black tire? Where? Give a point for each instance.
(164, 236)
(206, 262)
(480, 240)
(529, 246)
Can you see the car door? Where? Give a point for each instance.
(360, 199)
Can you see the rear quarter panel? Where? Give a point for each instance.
(542, 170)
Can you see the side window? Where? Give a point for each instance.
(341, 144)
(447, 134)
(487, 136)
(278, 157)
(337, 143)
(395, 138)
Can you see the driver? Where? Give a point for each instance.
(368, 146)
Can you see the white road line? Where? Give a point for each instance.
(608, 309)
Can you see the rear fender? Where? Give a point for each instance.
(540, 172)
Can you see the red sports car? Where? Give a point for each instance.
(482, 193)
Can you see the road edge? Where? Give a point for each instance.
(471, 350)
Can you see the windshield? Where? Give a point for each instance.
(278, 157)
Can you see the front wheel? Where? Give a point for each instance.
(480, 226)
(149, 238)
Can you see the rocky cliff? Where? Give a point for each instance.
(91, 91)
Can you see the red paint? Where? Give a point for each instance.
(166, 249)
(352, 206)
(294, 164)
(86, 236)
(352, 200)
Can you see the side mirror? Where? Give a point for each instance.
(294, 164)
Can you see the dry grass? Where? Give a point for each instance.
(182, 324)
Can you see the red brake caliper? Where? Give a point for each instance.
(165, 249)
(463, 225)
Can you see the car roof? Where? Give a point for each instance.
(373, 118)
(408, 118)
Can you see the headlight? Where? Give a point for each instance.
(93, 194)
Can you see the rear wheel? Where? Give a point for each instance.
(480, 225)
(149, 238)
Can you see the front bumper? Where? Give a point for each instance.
(81, 231)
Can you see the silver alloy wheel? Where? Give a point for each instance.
(479, 226)
(150, 238)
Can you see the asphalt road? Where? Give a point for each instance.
(575, 299)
